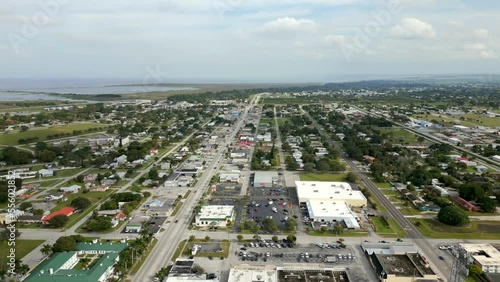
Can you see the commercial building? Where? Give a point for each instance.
(287, 273)
(484, 255)
(67, 211)
(409, 267)
(265, 179)
(217, 216)
(182, 270)
(60, 267)
(390, 248)
(329, 191)
(230, 177)
(327, 211)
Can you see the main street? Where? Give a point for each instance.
(175, 232)
(442, 268)
(32, 259)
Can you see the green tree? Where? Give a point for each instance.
(475, 269)
(351, 177)
(275, 238)
(58, 221)
(487, 204)
(80, 203)
(453, 215)
(192, 238)
(239, 237)
(207, 238)
(46, 249)
(25, 206)
(291, 238)
(37, 212)
(290, 225)
(66, 243)
(269, 225)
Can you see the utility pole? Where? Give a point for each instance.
(459, 267)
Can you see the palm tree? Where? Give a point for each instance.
(46, 249)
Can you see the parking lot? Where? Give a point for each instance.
(288, 253)
(274, 208)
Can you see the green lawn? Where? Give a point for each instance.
(480, 230)
(23, 247)
(178, 251)
(224, 245)
(331, 233)
(483, 120)
(322, 177)
(384, 185)
(42, 133)
(381, 225)
(402, 136)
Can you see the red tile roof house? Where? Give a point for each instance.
(466, 205)
(153, 151)
(67, 211)
(120, 216)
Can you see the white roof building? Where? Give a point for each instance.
(215, 216)
(485, 255)
(329, 191)
(332, 211)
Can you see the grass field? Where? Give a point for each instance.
(480, 230)
(23, 247)
(12, 138)
(331, 233)
(384, 185)
(402, 136)
(381, 226)
(179, 250)
(322, 177)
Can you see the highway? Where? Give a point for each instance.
(442, 268)
(168, 240)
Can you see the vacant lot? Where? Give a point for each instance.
(475, 230)
(42, 133)
(322, 177)
(23, 247)
(403, 136)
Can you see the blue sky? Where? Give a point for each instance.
(247, 40)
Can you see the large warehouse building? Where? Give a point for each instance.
(332, 211)
(330, 191)
(265, 179)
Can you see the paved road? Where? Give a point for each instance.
(479, 158)
(167, 241)
(278, 142)
(442, 268)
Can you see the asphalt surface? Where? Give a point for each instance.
(168, 241)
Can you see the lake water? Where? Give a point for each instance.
(27, 90)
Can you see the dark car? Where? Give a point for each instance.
(176, 221)
(441, 257)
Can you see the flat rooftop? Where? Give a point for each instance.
(404, 265)
(327, 190)
(485, 254)
(312, 275)
(215, 212)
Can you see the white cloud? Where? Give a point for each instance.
(455, 23)
(413, 28)
(482, 33)
(488, 54)
(287, 25)
(476, 47)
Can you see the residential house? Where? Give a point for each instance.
(45, 173)
(100, 188)
(90, 178)
(71, 189)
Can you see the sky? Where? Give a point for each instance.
(161, 41)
